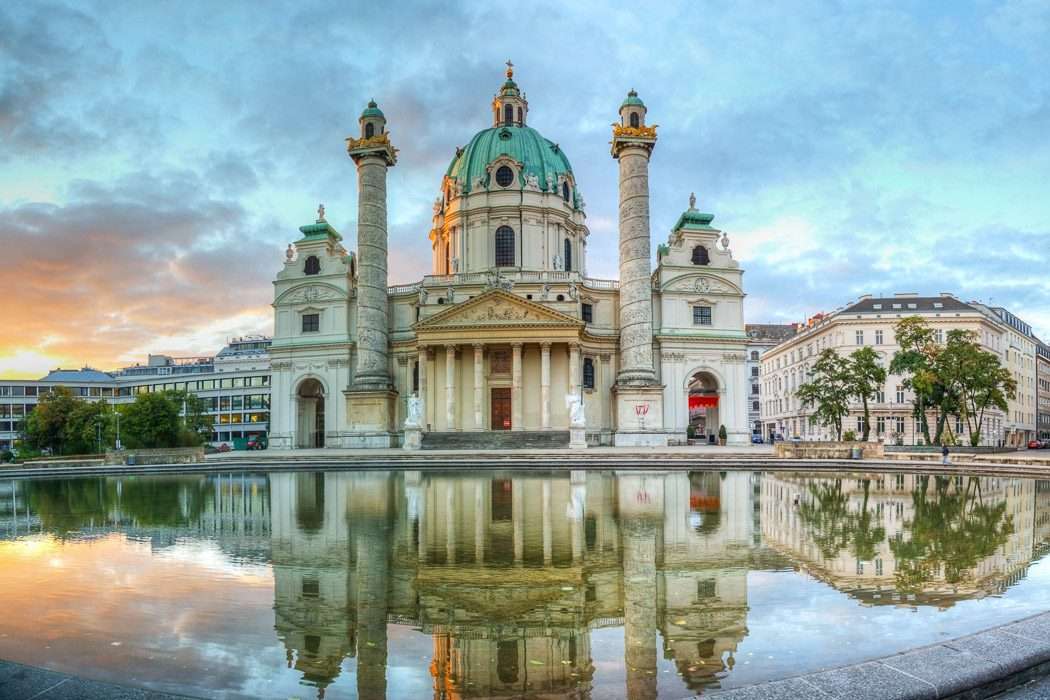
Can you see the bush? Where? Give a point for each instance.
(849, 436)
(722, 434)
(7, 456)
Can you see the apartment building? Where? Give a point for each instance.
(760, 338)
(869, 322)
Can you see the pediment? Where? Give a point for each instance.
(496, 308)
(309, 293)
(702, 284)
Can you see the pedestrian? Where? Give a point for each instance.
(944, 454)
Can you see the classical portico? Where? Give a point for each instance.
(497, 362)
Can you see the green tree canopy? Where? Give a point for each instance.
(829, 389)
(864, 377)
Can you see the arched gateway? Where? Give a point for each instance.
(310, 400)
(702, 395)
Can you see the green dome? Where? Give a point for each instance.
(524, 144)
(632, 99)
(372, 111)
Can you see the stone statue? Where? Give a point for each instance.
(574, 402)
(415, 412)
(550, 182)
(422, 296)
(289, 255)
(692, 201)
(532, 182)
(320, 213)
(450, 296)
(725, 242)
(573, 292)
(546, 291)
(556, 262)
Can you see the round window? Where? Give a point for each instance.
(504, 176)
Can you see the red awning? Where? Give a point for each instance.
(698, 401)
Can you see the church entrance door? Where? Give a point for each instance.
(500, 401)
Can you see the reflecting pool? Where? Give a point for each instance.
(463, 584)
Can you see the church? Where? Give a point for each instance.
(507, 343)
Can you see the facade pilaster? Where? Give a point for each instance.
(421, 369)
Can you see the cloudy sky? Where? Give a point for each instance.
(156, 158)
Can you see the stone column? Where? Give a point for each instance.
(517, 512)
(545, 386)
(517, 420)
(450, 387)
(372, 371)
(479, 399)
(639, 608)
(422, 363)
(575, 383)
(632, 148)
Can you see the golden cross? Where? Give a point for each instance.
(510, 69)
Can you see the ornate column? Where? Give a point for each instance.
(371, 399)
(450, 387)
(479, 400)
(639, 397)
(575, 382)
(421, 367)
(545, 386)
(517, 421)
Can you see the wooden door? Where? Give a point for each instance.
(501, 410)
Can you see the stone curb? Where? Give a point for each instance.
(976, 666)
(459, 461)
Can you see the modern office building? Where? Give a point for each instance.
(235, 385)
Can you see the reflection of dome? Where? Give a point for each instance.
(539, 157)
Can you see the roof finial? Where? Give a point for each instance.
(320, 213)
(692, 200)
(510, 69)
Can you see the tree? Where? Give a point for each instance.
(155, 420)
(864, 376)
(45, 426)
(828, 390)
(975, 379)
(914, 363)
(89, 424)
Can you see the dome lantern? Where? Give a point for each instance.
(372, 121)
(509, 106)
(632, 111)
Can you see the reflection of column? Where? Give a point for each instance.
(371, 607)
(479, 523)
(478, 400)
(450, 522)
(421, 368)
(547, 535)
(517, 513)
(639, 608)
(545, 386)
(450, 387)
(578, 479)
(516, 420)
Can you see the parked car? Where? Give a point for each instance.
(756, 440)
(259, 442)
(1035, 445)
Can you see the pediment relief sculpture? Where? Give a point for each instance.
(310, 294)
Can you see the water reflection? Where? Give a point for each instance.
(512, 577)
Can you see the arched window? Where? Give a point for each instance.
(568, 255)
(504, 246)
(504, 176)
(520, 120)
(754, 354)
(634, 120)
(700, 256)
(312, 266)
(370, 130)
(508, 113)
(565, 191)
(588, 373)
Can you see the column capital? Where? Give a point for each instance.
(546, 345)
(402, 360)
(451, 348)
(517, 345)
(478, 347)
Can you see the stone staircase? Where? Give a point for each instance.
(497, 440)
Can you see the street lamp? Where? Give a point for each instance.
(118, 446)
